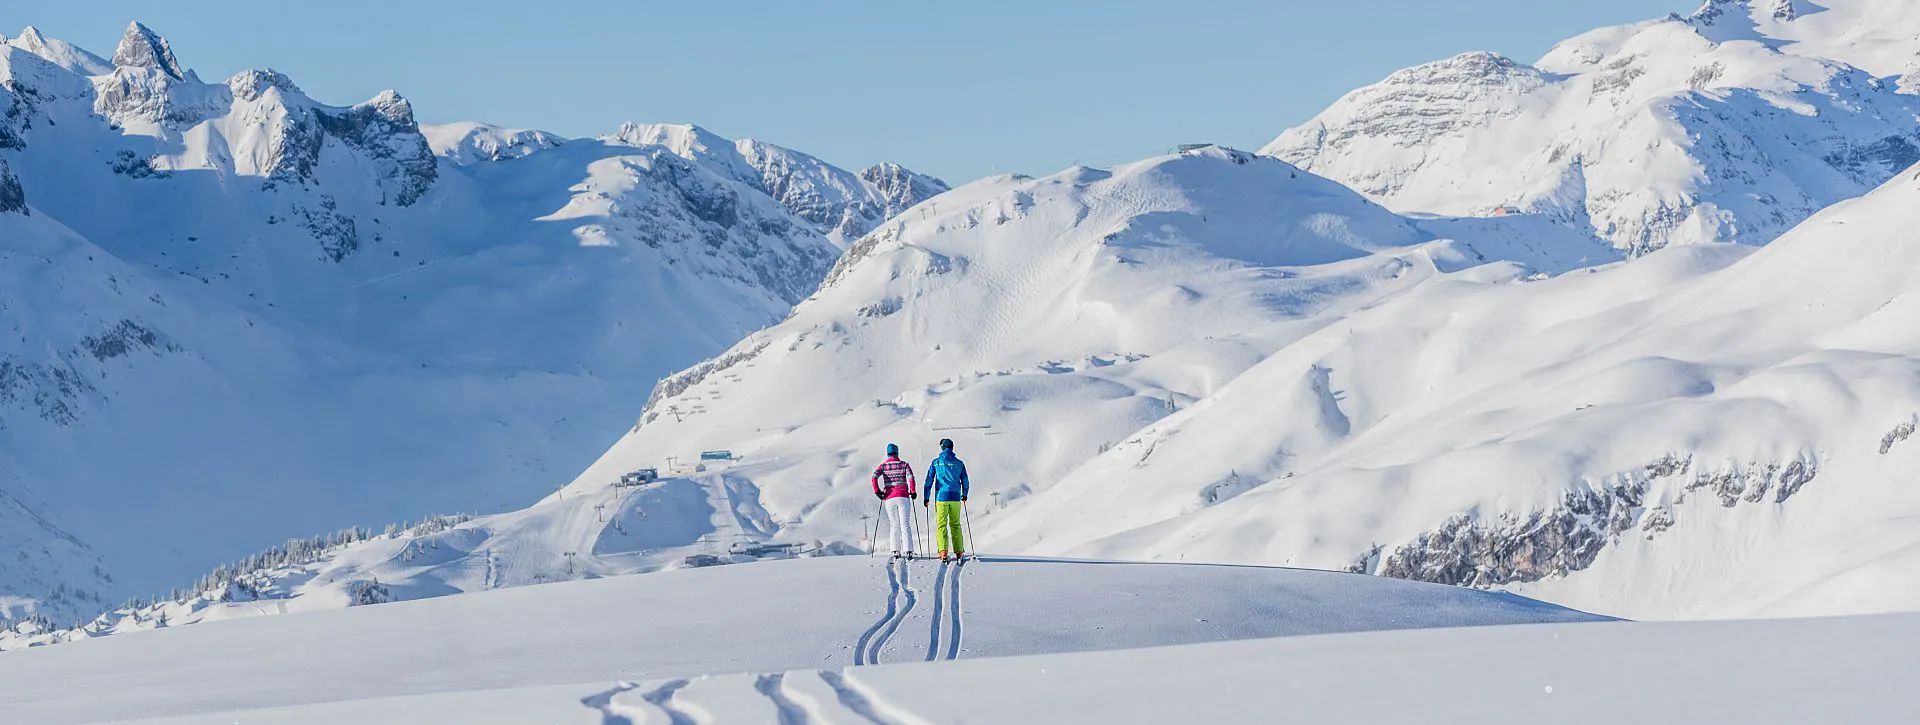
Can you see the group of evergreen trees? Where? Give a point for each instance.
(248, 578)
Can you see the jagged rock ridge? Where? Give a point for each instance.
(140, 47)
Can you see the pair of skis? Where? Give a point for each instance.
(924, 532)
(917, 557)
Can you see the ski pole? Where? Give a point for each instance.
(969, 517)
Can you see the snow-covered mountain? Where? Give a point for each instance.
(469, 142)
(1699, 432)
(1215, 356)
(236, 313)
(1064, 313)
(1731, 124)
(844, 203)
(1211, 355)
(1167, 378)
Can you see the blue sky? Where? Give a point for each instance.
(959, 90)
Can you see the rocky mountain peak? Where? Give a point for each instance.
(393, 107)
(1738, 16)
(140, 47)
(900, 186)
(247, 85)
(1481, 68)
(30, 39)
(383, 127)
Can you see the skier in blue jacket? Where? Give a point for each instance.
(947, 486)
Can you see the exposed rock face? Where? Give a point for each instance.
(739, 235)
(1899, 434)
(838, 203)
(384, 128)
(1716, 12)
(52, 390)
(295, 128)
(148, 85)
(140, 47)
(146, 95)
(1525, 547)
(250, 85)
(901, 187)
(13, 200)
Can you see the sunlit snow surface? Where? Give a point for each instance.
(833, 612)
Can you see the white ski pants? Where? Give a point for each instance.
(900, 522)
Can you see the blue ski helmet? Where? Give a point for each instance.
(893, 450)
(946, 444)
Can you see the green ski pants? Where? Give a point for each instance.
(946, 526)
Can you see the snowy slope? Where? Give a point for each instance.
(1000, 640)
(466, 143)
(59, 52)
(833, 612)
(310, 320)
(1685, 130)
(1064, 313)
(1881, 37)
(1569, 673)
(1697, 433)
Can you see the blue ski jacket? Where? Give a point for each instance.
(947, 477)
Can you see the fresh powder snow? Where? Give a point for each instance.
(1416, 400)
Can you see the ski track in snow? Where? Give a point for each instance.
(959, 619)
(933, 627)
(852, 697)
(662, 697)
(603, 701)
(906, 589)
(791, 713)
(861, 647)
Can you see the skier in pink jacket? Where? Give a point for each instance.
(893, 483)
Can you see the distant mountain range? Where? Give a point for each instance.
(1479, 324)
(236, 313)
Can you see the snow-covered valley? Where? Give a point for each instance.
(1481, 349)
(271, 316)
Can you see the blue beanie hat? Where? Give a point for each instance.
(893, 450)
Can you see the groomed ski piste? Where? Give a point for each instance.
(859, 639)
